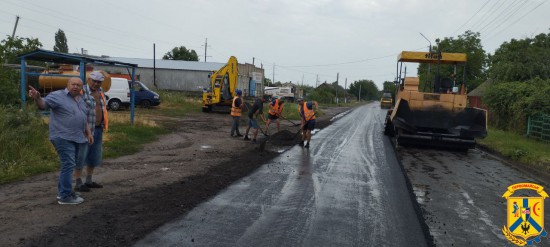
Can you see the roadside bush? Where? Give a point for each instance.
(26, 149)
(9, 86)
(511, 103)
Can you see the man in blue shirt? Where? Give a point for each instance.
(69, 132)
(257, 110)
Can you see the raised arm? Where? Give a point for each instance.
(33, 93)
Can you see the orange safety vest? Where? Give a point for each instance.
(275, 109)
(236, 111)
(308, 114)
(104, 110)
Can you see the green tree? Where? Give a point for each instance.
(61, 42)
(366, 89)
(181, 53)
(267, 82)
(510, 103)
(10, 48)
(476, 66)
(521, 60)
(389, 86)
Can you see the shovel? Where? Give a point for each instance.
(295, 124)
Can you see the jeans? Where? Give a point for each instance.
(93, 154)
(69, 152)
(235, 126)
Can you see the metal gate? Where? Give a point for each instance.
(538, 126)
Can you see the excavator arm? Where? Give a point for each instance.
(223, 86)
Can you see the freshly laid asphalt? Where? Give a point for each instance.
(347, 189)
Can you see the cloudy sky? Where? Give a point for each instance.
(294, 40)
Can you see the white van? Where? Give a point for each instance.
(119, 93)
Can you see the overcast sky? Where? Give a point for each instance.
(299, 40)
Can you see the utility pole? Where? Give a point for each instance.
(154, 66)
(205, 48)
(430, 47)
(302, 80)
(337, 75)
(346, 91)
(317, 81)
(253, 60)
(273, 74)
(359, 98)
(15, 27)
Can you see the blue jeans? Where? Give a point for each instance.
(69, 152)
(93, 154)
(235, 126)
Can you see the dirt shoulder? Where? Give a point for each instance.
(142, 191)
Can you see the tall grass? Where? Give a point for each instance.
(176, 104)
(519, 148)
(26, 149)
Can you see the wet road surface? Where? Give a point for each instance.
(461, 194)
(347, 189)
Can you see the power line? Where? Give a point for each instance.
(480, 21)
(498, 16)
(507, 17)
(517, 20)
(470, 18)
(103, 28)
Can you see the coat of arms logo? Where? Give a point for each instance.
(525, 215)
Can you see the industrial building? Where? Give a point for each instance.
(188, 76)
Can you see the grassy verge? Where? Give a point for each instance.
(123, 138)
(26, 150)
(519, 148)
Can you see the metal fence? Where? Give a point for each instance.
(538, 126)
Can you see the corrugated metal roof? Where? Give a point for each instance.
(170, 64)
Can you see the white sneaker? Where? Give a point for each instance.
(72, 199)
(74, 192)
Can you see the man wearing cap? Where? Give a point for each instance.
(236, 112)
(97, 118)
(69, 132)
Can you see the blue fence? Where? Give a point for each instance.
(538, 126)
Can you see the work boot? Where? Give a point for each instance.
(301, 143)
(307, 145)
(246, 138)
(82, 188)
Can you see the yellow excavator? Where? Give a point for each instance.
(223, 87)
(439, 118)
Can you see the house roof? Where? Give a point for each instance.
(480, 90)
(171, 64)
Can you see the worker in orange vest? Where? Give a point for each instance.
(275, 111)
(236, 112)
(307, 113)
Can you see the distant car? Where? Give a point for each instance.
(119, 95)
(144, 96)
(386, 101)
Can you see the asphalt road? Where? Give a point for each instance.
(346, 190)
(461, 194)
